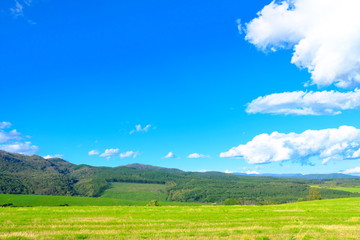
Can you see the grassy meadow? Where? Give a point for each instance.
(43, 200)
(136, 191)
(324, 219)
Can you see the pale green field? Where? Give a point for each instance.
(324, 219)
(348, 189)
(136, 191)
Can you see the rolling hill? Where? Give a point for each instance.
(21, 174)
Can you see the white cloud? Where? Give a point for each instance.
(129, 154)
(108, 153)
(328, 144)
(306, 103)
(53, 156)
(252, 172)
(138, 128)
(228, 171)
(353, 170)
(13, 141)
(18, 9)
(11, 135)
(5, 125)
(93, 152)
(20, 147)
(324, 34)
(197, 155)
(170, 155)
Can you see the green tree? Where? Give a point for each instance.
(314, 194)
(231, 201)
(153, 203)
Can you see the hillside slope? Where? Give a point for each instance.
(20, 174)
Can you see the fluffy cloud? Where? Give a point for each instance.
(13, 141)
(252, 172)
(353, 170)
(306, 103)
(129, 154)
(324, 34)
(138, 128)
(20, 147)
(53, 156)
(327, 144)
(93, 152)
(170, 155)
(108, 153)
(197, 155)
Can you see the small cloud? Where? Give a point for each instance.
(252, 172)
(93, 152)
(53, 156)
(197, 155)
(129, 154)
(239, 26)
(170, 155)
(228, 171)
(353, 170)
(138, 128)
(17, 10)
(108, 153)
(4, 125)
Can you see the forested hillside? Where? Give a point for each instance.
(22, 174)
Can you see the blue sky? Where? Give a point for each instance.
(80, 76)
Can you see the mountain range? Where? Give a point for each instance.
(22, 174)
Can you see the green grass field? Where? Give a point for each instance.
(136, 191)
(348, 189)
(43, 200)
(324, 219)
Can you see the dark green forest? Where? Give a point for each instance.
(21, 174)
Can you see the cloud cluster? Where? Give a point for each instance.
(138, 128)
(111, 152)
(306, 103)
(352, 170)
(53, 156)
(13, 141)
(328, 144)
(20, 147)
(129, 154)
(197, 155)
(324, 35)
